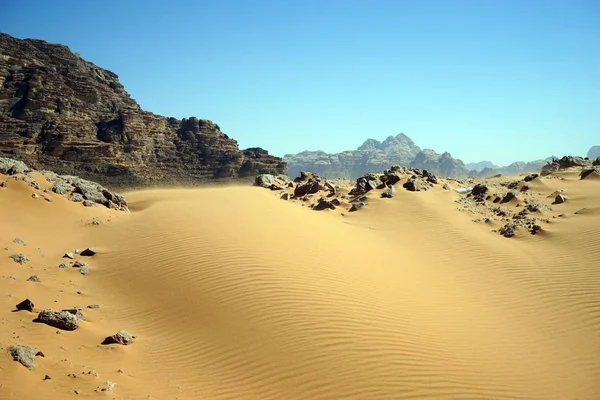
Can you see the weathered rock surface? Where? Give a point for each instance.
(60, 112)
(121, 337)
(23, 354)
(58, 319)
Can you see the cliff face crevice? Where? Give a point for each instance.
(60, 112)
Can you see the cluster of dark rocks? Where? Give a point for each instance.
(308, 185)
(74, 188)
(587, 165)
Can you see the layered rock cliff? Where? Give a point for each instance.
(372, 156)
(60, 112)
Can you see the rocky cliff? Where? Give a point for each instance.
(372, 156)
(60, 112)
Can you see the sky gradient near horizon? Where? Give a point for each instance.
(485, 80)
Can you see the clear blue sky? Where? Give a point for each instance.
(497, 80)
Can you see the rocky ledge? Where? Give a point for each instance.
(72, 187)
(62, 113)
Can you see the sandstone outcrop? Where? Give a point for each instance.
(65, 114)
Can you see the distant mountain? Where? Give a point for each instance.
(374, 156)
(516, 168)
(479, 166)
(594, 152)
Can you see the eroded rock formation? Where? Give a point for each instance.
(60, 112)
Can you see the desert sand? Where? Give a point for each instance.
(233, 293)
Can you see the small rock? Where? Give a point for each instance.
(19, 241)
(445, 186)
(23, 354)
(69, 255)
(35, 196)
(286, 196)
(79, 264)
(560, 199)
(121, 337)
(33, 278)
(109, 386)
(25, 305)
(88, 252)
(93, 306)
(63, 265)
(20, 258)
(389, 192)
(58, 319)
(47, 378)
(84, 270)
(356, 206)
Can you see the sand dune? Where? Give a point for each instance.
(235, 294)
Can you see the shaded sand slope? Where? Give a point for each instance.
(236, 294)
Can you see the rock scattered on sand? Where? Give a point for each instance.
(357, 206)
(93, 306)
(389, 192)
(323, 204)
(84, 270)
(33, 278)
(79, 264)
(23, 354)
(61, 187)
(47, 378)
(109, 387)
(88, 252)
(121, 337)
(20, 258)
(63, 265)
(35, 196)
(69, 255)
(25, 305)
(559, 199)
(19, 241)
(286, 196)
(410, 185)
(58, 319)
(508, 230)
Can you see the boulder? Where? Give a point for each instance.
(389, 192)
(20, 258)
(264, 180)
(559, 199)
(410, 185)
(25, 305)
(312, 186)
(23, 354)
(323, 204)
(88, 252)
(478, 189)
(58, 319)
(11, 167)
(121, 337)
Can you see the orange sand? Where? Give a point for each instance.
(235, 294)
